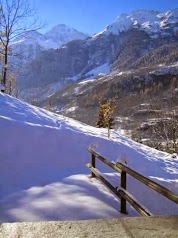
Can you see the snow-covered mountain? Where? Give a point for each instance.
(35, 38)
(34, 42)
(139, 39)
(152, 22)
(43, 157)
(54, 38)
(62, 34)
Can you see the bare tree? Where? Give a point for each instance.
(163, 129)
(166, 132)
(17, 17)
(167, 125)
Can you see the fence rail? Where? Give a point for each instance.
(151, 184)
(105, 161)
(122, 194)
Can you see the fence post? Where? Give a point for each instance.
(123, 185)
(93, 163)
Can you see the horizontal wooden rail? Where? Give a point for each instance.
(148, 182)
(130, 199)
(105, 161)
(121, 193)
(106, 183)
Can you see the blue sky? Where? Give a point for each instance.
(91, 16)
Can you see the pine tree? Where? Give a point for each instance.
(105, 116)
(100, 122)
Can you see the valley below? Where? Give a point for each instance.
(146, 100)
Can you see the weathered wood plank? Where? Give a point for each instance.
(105, 182)
(93, 163)
(124, 186)
(121, 193)
(133, 202)
(148, 182)
(105, 161)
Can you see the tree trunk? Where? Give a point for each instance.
(108, 130)
(4, 78)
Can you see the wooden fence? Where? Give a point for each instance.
(121, 193)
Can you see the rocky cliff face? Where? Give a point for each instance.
(72, 61)
(33, 43)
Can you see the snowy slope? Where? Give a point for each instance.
(43, 174)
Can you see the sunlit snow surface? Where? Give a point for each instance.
(43, 174)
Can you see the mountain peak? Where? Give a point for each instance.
(63, 33)
(146, 11)
(151, 21)
(60, 27)
(54, 38)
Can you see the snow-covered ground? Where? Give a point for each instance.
(43, 174)
(101, 69)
